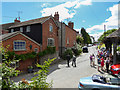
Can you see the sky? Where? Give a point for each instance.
(89, 14)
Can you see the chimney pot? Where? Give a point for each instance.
(71, 24)
(16, 21)
(56, 16)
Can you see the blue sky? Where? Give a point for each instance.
(84, 13)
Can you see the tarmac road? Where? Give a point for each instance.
(68, 77)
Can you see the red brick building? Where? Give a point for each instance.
(46, 31)
(21, 44)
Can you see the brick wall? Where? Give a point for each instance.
(47, 34)
(20, 37)
(71, 35)
(23, 65)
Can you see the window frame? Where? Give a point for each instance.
(67, 41)
(28, 29)
(48, 44)
(12, 30)
(50, 25)
(21, 29)
(18, 45)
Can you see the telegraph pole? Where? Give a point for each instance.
(19, 12)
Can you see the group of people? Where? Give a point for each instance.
(73, 60)
(104, 59)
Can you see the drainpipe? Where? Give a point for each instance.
(61, 38)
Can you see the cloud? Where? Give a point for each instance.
(63, 9)
(111, 22)
(83, 21)
(45, 5)
(96, 35)
(87, 2)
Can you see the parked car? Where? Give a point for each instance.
(89, 45)
(97, 82)
(115, 69)
(85, 49)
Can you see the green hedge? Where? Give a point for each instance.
(49, 50)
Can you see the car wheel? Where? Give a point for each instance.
(119, 73)
(95, 89)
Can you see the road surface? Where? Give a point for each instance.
(68, 77)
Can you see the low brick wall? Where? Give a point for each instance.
(23, 64)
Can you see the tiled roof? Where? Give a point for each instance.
(9, 35)
(115, 34)
(6, 26)
(29, 22)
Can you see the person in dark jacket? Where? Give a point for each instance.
(74, 61)
(68, 59)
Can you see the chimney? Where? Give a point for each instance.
(71, 24)
(56, 16)
(16, 21)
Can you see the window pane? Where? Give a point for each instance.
(19, 45)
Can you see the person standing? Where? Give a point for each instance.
(93, 60)
(102, 63)
(68, 59)
(99, 63)
(90, 60)
(107, 64)
(74, 61)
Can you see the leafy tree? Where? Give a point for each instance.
(101, 38)
(40, 80)
(86, 37)
(7, 71)
(79, 40)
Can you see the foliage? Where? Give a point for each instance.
(11, 55)
(68, 51)
(49, 50)
(79, 40)
(40, 80)
(77, 51)
(118, 48)
(106, 33)
(86, 37)
(30, 67)
(7, 71)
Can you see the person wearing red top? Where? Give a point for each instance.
(102, 63)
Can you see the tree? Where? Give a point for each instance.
(108, 32)
(86, 37)
(7, 71)
(79, 40)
